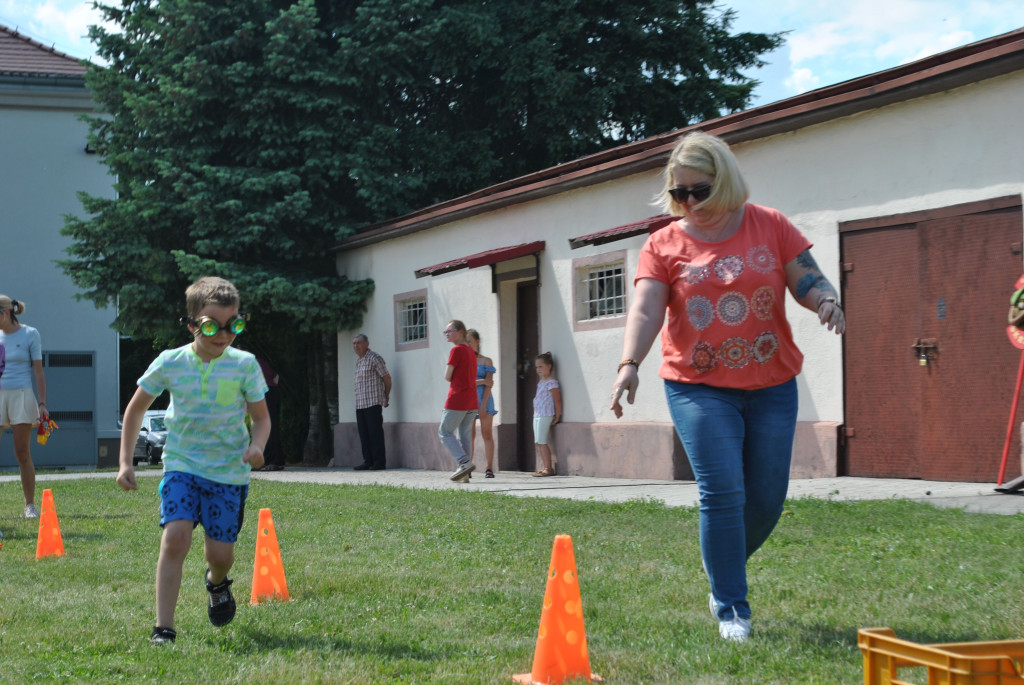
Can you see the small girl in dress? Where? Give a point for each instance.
(484, 382)
(547, 411)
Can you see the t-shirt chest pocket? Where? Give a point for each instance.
(227, 392)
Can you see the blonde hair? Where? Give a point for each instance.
(210, 290)
(14, 306)
(709, 155)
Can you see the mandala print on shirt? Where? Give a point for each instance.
(762, 302)
(704, 357)
(761, 259)
(765, 346)
(695, 273)
(700, 311)
(729, 268)
(735, 353)
(732, 309)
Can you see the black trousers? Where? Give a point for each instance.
(274, 454)
(370, 422)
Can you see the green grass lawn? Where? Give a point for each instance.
(411, 586)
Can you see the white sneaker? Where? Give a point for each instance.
(463, 472)
(735, 629)
(713, 605)
(31, 512)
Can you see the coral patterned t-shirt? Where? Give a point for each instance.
(727, 322)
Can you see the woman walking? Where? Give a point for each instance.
(19, 407)
(729, 359)
(462, 405)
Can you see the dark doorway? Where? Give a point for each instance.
(527, 342)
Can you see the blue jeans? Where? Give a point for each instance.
(457, 420)
(739, 443)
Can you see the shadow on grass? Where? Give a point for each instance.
(261, 641)
(830, 637)
(826, 637)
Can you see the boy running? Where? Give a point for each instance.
(209, 452)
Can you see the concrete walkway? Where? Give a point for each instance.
(971, 497)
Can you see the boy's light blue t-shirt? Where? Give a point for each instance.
(21, 348)
(206, 433)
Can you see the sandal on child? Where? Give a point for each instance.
(544, 473)
(489, 474)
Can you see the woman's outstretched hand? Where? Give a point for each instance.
(832, 315)
(627, 381)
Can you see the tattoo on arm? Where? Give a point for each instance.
(807, 283)
(805, 260)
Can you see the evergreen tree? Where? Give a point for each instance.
(226, 150)
(245, 139)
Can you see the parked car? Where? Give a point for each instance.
(150, 444)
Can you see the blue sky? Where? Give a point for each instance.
(829, 41)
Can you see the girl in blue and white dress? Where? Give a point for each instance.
(547, 411)
(484, 382)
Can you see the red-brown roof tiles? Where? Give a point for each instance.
(22, 56)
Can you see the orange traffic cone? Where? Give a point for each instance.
(49, 543)
(561, 652)
(267, 573)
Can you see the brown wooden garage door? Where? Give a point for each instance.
(939, 278)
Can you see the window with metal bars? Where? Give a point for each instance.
(412, 323)
(603, 290)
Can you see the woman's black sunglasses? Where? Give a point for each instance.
(700, 192)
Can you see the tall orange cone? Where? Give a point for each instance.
(561, 652)
(49, 543)
(267, 573)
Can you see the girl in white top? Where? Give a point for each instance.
(547, 411)
(18, 406)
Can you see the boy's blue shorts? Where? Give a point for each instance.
(220, 507)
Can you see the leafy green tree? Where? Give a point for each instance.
(245, 139)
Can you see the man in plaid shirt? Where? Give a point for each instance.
(373, 392)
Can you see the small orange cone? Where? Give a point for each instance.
(267, 573)
(49, 543)
(561, 652)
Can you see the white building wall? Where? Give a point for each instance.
(960, 146)
(44, 167)
(935, 151)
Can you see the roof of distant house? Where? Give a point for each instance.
(20, 56)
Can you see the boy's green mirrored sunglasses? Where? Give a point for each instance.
(209, 327)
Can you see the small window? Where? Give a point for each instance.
(413, 324)
(411, 320)
(604, 288)
(600, 291)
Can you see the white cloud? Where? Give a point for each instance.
(63, 24)
(802, 80)
(67, 21)
(817, 40)
(830, 41)
(935, 45)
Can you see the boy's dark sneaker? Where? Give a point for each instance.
(222, 602)
(162, 636)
